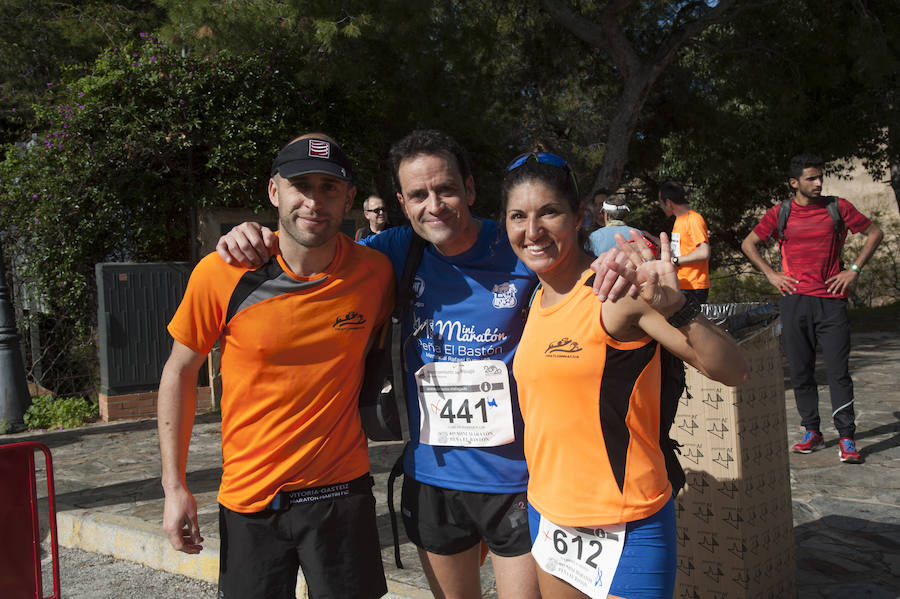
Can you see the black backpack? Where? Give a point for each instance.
(377, 401)
(671, 388)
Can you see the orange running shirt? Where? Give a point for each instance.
(293, 350)
(591, 410)
(688, 232)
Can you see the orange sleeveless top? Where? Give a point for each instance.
(591, 410)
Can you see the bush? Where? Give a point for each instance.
(64, 412)
(879, 282)
(729, 287)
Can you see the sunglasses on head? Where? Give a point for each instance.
(544, 158)
(540, 157)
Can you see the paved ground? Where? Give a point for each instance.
(88, 575)
(846, 517)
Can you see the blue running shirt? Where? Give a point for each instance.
(472, 306)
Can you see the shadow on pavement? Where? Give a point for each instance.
(53, 438)
(842, 556)
(198, 481)
(884, 444)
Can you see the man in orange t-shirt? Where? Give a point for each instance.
(294, 334)
(690, 241)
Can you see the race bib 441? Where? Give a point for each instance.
(465, 404)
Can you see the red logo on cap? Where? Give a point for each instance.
(319, 148)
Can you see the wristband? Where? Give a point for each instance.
(855, 268)
(685, 313)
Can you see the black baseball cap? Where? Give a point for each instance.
(312, 155)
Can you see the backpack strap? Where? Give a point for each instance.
(834, 211)
(396, 471)
(405, 293)
(404, 300)
(784, 211)
(831, 205)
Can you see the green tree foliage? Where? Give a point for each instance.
(132, 146)
(796, 76)
(641, 39)
(457, 66)
(715, 94)
(39, 39)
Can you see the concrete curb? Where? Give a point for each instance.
(132, 539)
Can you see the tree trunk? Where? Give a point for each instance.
(895, 182)
(638, 73)
(622, 126)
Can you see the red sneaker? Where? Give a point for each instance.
(811, 441)
(847, 451)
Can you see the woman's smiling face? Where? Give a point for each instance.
(541, 226)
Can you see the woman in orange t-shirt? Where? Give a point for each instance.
(601, 510)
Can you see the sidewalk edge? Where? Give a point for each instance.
(128, 538)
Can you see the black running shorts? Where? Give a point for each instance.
(334, 540)
(446, 521)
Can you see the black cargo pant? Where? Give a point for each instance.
(807, 320)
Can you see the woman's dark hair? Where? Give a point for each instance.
(549, 169)
(558, 178)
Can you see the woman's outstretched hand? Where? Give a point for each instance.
(655, 280)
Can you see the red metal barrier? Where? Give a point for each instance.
(20, 541)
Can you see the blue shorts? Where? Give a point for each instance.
(647, 566)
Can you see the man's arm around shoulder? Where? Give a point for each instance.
(176, 404)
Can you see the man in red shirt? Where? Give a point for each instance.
(814, 290)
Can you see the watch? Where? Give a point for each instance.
(675, 260)
(685, 313)
(855, 268)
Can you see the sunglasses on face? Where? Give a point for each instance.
(377, 210)
(544, 158)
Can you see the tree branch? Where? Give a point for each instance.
(607, 35)
(725, 10)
